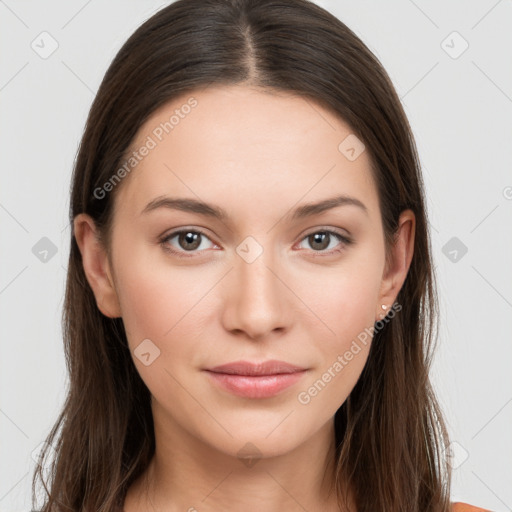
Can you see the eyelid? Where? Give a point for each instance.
(328, 229)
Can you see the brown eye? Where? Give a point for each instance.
(319, 241)
(326, 241)
(188, 241)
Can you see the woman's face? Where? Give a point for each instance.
(271, 279)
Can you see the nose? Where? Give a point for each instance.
(256, 300)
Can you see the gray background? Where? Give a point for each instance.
(460, 108)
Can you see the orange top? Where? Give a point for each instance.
(464, 507)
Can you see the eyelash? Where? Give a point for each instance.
(182, 254)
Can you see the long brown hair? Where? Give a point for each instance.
(390, 434)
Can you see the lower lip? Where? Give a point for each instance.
(261, 386)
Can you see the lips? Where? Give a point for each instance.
(256, 380)
(271, 367)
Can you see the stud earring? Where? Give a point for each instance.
(384, 307)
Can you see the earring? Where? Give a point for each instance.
(384, 307)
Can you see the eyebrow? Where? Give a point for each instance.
(216, 212)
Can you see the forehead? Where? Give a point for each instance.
(244, 147)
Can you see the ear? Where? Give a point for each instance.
(96, 265)
(399, 262)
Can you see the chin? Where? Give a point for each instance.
(257, 442)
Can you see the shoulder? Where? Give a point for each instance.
(465, 507)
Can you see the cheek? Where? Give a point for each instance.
(166, 305)
(160, 307)
(152, 294)
(344, 299)
(150, 304)
(345, 302)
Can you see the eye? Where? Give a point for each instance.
(321, 240)
(188, 240)
(191, 241)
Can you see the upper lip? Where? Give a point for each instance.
(270, 367)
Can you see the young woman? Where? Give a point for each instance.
(250, 308)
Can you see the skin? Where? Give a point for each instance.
(258, 155)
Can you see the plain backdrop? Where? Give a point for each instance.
(451, 65)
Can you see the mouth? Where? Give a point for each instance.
(256, 380)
